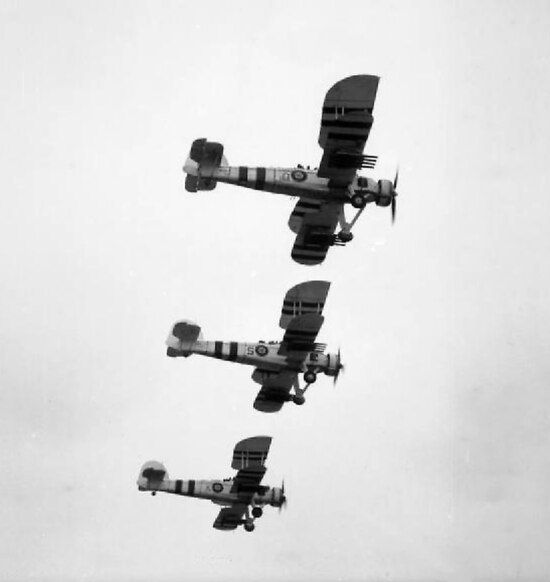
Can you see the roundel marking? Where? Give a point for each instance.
(261, 350)
(298, 175)
(217, 487)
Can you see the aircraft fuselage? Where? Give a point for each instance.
(288, 181)
(217, 491)
(263, 355)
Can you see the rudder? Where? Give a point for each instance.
(204, 158)
(182, 338)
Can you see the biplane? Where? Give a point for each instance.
(242, 496)
(323, 192)
(278, 364)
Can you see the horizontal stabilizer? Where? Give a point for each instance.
(204, 158)
(152, 474)
(182, 337)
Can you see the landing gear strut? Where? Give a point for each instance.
(357, 201)
(298, 397)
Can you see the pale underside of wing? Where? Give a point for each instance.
(345, 126)
(230, 517)
(275, 391)
(307, 297)
(314, 222)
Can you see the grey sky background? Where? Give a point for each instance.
(430, 459)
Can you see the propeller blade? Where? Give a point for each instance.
(393, 209)
(339, 368)
(283, 499)
(395, 180)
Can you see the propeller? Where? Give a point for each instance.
(339, 368)
(393, 201)
(283, 496)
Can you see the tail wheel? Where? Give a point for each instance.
(310, 377)
(257, 512)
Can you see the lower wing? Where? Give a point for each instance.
(230, 517)
(275, 391)
(314, 222)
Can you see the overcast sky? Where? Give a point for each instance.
(430, 458)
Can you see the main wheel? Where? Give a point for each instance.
(345, 236)
(257, 512)
(299, 400)
(249, 526)
(310, 377)
(358, 201)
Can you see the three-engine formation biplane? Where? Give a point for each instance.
(323, 192)
(278, 363)
(242, 495)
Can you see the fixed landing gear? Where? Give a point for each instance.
(298, 397)
(358, 201)
(345, 237)
(251, 515)
(310, 377)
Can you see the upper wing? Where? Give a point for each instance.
(314, 222)
(308, 297)
(301, 317)
(249, 457)
(275, 391)
(230, 517)
(345, 126)
(251, 452)
(300, 335)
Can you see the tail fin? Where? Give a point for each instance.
(204, 158)
(182, 338)
(150, 477)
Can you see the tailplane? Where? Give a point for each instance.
(151, 476)
(181, 339)
(204, 158)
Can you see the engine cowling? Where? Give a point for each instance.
(278, 497)
(334, 364)
(386, 192)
